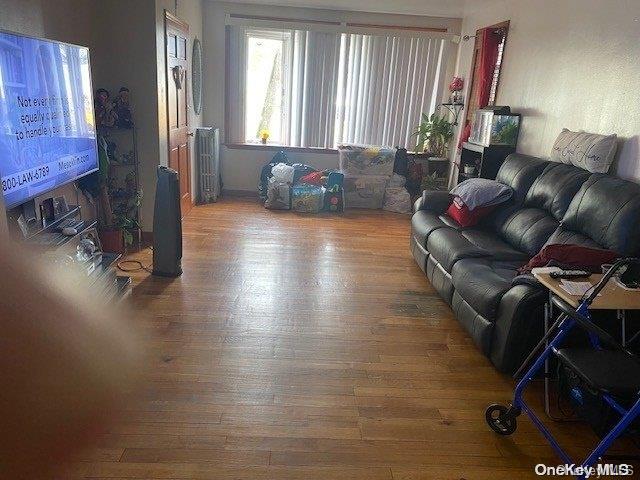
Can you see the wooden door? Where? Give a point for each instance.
(176, 43)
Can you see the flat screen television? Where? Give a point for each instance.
(47, 126)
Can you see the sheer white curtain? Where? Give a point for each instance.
(386, 83)
(236, 89)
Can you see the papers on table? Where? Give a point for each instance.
(577, 289)
(540, 270)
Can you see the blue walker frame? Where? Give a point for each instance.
(505, 424)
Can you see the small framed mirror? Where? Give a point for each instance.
(196, 76)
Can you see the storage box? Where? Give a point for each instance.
(364, 191)
(366, 160)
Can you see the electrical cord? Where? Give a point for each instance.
(139, 265)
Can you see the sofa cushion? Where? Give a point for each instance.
(499, 249)
(423, 223)
(519, 172)
(607, 211)
(554, 189)
(565, 236)
(482, 283)
(447, 246)
(528, 229)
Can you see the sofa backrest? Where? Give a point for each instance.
(519, 172)
(604, 213)
(529, 227)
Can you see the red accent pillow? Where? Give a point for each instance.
(466, 217)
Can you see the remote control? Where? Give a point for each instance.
(570, 274)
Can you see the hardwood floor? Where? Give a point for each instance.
(309, 347)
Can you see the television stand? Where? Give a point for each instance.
(101, 268)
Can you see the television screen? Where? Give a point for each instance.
(47, 127)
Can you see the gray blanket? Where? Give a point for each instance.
(481, 192)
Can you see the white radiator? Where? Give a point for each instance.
(208, 155)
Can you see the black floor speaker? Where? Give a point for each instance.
(167, 225)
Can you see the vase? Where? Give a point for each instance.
(456, 97)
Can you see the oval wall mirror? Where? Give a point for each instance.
(196, 76)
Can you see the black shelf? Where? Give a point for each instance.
(74, 210)
(57, 239)
(486, 160)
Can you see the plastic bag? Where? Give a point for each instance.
(265, 173)
(301, 170)
(397, 199)
(278, 195)
(364, 191)
(283, 173)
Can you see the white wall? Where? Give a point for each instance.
(124, 55)
(568, 63)
(241, 167)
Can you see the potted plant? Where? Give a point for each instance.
(434, 135)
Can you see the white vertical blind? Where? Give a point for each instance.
(388, 82)
(314, 88)
(346, 88)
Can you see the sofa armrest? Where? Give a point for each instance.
(518, 327)
(435, 201)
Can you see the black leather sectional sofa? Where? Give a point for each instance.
(474, 269)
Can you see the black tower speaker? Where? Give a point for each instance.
(167, 225)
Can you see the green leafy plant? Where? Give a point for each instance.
(507, 135)
(433, 135)
(127, 226)
(433, 182)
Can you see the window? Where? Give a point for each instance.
(266, 70)
(314, 88)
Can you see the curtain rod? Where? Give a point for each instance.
(335, 26)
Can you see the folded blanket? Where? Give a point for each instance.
(481, 192)
(570, 257)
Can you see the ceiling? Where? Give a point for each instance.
(436, 8)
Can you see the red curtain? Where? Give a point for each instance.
(488, 58)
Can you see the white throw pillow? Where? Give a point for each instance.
(589, 151)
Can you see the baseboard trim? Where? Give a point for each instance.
(252, 194)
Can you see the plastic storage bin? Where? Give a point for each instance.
(307, 198)
(366, 160)
(364, 191)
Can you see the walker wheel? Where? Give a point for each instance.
(501, 419)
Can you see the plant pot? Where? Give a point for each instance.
(112, 240)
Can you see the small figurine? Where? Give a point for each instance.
(122, 105)
(106, 116)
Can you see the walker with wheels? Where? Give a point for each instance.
(613, 372)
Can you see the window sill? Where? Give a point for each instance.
(273, 148)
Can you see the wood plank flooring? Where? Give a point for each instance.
(308, 347)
